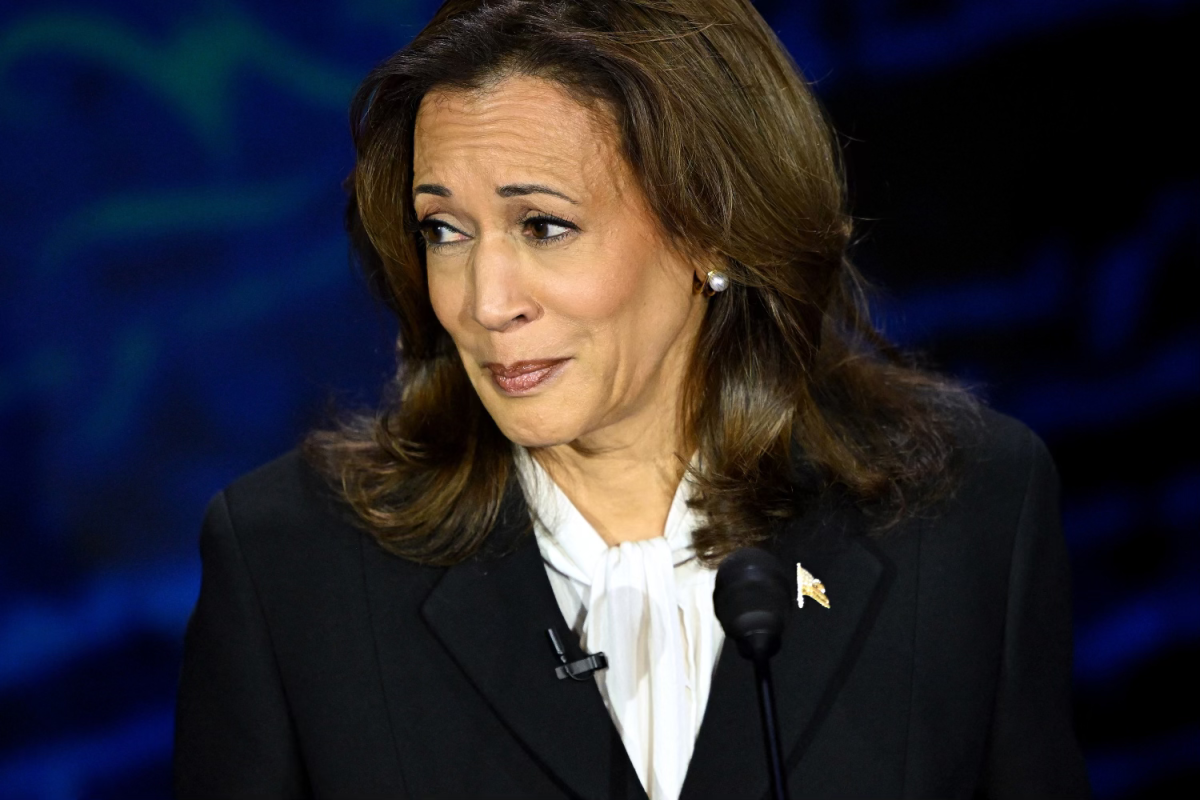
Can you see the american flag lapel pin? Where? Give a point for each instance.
(808, 586)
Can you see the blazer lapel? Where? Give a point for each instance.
(492, 614)
(818, 650)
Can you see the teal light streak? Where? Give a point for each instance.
(133, 362)
(195, 73)
(155, 213)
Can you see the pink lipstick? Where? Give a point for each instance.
(522, 377)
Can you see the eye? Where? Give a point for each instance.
(437, 233)
(547, 229)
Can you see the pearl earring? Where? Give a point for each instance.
(715, 281)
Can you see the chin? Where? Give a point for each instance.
(535, 435)
(530, 430)
(557, 415)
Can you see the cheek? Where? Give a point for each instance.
(613, 287)
(632, 311)
(598, 298)
(445, 295)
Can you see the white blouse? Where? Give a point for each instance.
(647, 606)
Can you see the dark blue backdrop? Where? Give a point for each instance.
(177, 308)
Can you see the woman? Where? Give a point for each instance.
(630, 343)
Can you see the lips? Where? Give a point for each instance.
(522, 377)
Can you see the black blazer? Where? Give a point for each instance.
(318, 665)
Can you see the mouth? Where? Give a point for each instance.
(522, 377)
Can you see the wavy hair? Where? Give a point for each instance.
(733, 153)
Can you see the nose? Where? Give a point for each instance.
(499, 299)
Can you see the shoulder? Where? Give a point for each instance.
(286, 520)
(1000, 460)
(1004, 502)
(284, 493)
(286, 486)
(984, 592)
(960, 555)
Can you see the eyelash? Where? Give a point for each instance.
(433, 224)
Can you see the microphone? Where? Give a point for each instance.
(575, 670)
(751, 598)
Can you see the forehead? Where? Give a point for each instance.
(516, 130)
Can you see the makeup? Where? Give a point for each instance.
(523, 377)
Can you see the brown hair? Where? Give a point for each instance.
(732, 152)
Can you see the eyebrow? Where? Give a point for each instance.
(508, 190)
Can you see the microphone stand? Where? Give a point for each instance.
(751, 598)
(770, 724)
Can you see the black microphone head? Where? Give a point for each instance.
(751, 598)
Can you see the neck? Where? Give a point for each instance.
(623, 489)
(623, 477)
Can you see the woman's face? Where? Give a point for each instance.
(573, 317)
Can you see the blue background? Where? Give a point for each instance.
(176, 307)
